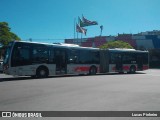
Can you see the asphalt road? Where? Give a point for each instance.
(111, 92)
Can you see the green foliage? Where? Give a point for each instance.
(116, 44)
(6, 35)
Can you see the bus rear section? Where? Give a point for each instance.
(123, 60)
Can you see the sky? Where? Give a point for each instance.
(53, 20)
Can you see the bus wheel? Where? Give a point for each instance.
(132, 69)
(92, 70)
(121, 72)
(42, 72)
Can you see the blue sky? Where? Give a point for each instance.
(43, 20)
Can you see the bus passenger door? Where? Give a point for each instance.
(60, 61)
(119, 64)
(104, 61)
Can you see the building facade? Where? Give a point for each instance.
(143, 41)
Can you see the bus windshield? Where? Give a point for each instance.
(7, 53)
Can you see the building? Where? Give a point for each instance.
(143, 41)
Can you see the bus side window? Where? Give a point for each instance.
(24, 54)
(85, 57)
(21, 56)
(95, 57)
(112, 58)
(51, 58)
(39, 55)
(129, 58)
(74, 56)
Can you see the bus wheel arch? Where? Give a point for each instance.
(132, 69)
(93, 70)
(42, 72)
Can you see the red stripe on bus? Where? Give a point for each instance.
(126, 67)
(78, 69)
(145, 67)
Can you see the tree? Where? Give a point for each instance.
(6, 35)
(116, 44)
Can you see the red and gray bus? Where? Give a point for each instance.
(42, 60)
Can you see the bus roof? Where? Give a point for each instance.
(65, 45)
(125, 50)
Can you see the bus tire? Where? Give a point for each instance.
(42, 72)
(92, 70)
(132, 69)
(121, 72)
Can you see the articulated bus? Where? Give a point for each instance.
(42, 60)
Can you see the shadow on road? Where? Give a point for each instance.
(30, 78)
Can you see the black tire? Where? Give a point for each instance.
(92, 70)
(42, 72)
(121, 72)
(132, 70)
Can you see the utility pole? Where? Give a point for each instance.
(101, 27)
